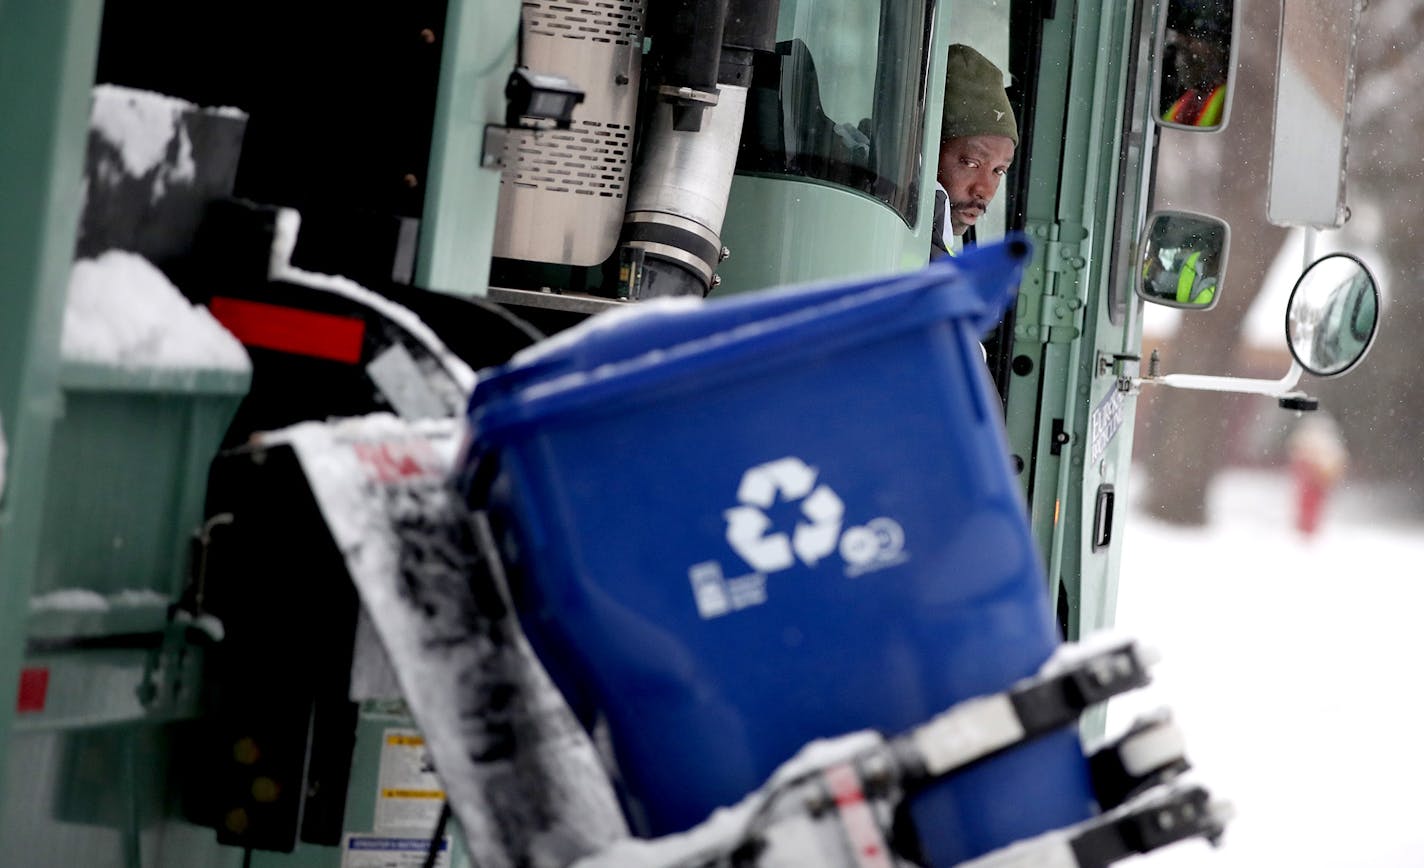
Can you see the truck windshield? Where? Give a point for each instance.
(842, 99)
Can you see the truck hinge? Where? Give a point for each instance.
(1047, 316)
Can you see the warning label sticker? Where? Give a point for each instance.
(410, 794)
(376, 851)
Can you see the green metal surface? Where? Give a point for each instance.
(457, 229)
(781, 230)
(1092, 575)
(126, 485)
(1064, 315)
(1035, 390)
(95, 688)
(1077, 191)
(47, 56)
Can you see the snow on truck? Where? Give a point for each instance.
(495, 433)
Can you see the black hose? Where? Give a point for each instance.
(750, 28)
(751, 24)
(687, 41)
(437, 838)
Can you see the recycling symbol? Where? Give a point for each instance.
(817, 532)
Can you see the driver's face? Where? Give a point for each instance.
(971, 169)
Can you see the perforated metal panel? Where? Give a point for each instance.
(598, 20)
(562, 194)
(588, 159)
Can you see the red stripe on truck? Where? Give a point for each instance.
(291, 330)
(34, 689)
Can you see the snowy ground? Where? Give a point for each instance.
(1293, 669)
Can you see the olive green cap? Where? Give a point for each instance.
(975, 103)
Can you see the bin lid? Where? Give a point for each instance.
(975, 288)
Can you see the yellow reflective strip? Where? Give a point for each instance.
(412, 794)
(407, 740)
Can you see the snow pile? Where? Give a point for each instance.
(1070, 655)
(1291, 665)
(122, 311)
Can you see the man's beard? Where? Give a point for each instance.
(955, 208)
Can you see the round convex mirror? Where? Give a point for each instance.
(1333, 315)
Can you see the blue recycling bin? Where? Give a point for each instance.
(735, 527)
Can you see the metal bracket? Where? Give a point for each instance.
(687, 96)
(1125, 367)
(1300, 403)
(492, 152)
(1119, 364)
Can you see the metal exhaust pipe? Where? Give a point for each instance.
(672, 229)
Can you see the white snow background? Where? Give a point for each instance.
(1292, 668)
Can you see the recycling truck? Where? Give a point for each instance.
(494, 433)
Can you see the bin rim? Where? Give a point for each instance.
(661, 323)
(830, 321)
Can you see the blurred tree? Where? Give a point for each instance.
(1223, 174)
(1380, 406)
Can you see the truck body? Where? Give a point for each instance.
(428, 174)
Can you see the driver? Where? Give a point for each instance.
(977, 143)
(1199, 45)
(1196, 281)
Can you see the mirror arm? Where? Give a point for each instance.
(1201, 382)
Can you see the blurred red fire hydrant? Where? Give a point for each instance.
(1317, 460)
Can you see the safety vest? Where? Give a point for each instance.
(1190, 110)
(1190, 290)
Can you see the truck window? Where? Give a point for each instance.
(984, 25)
(842, 99)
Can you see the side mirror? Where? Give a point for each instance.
(1333, 315)
(1183, 259)
(1198, 64)
(1330, 323)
